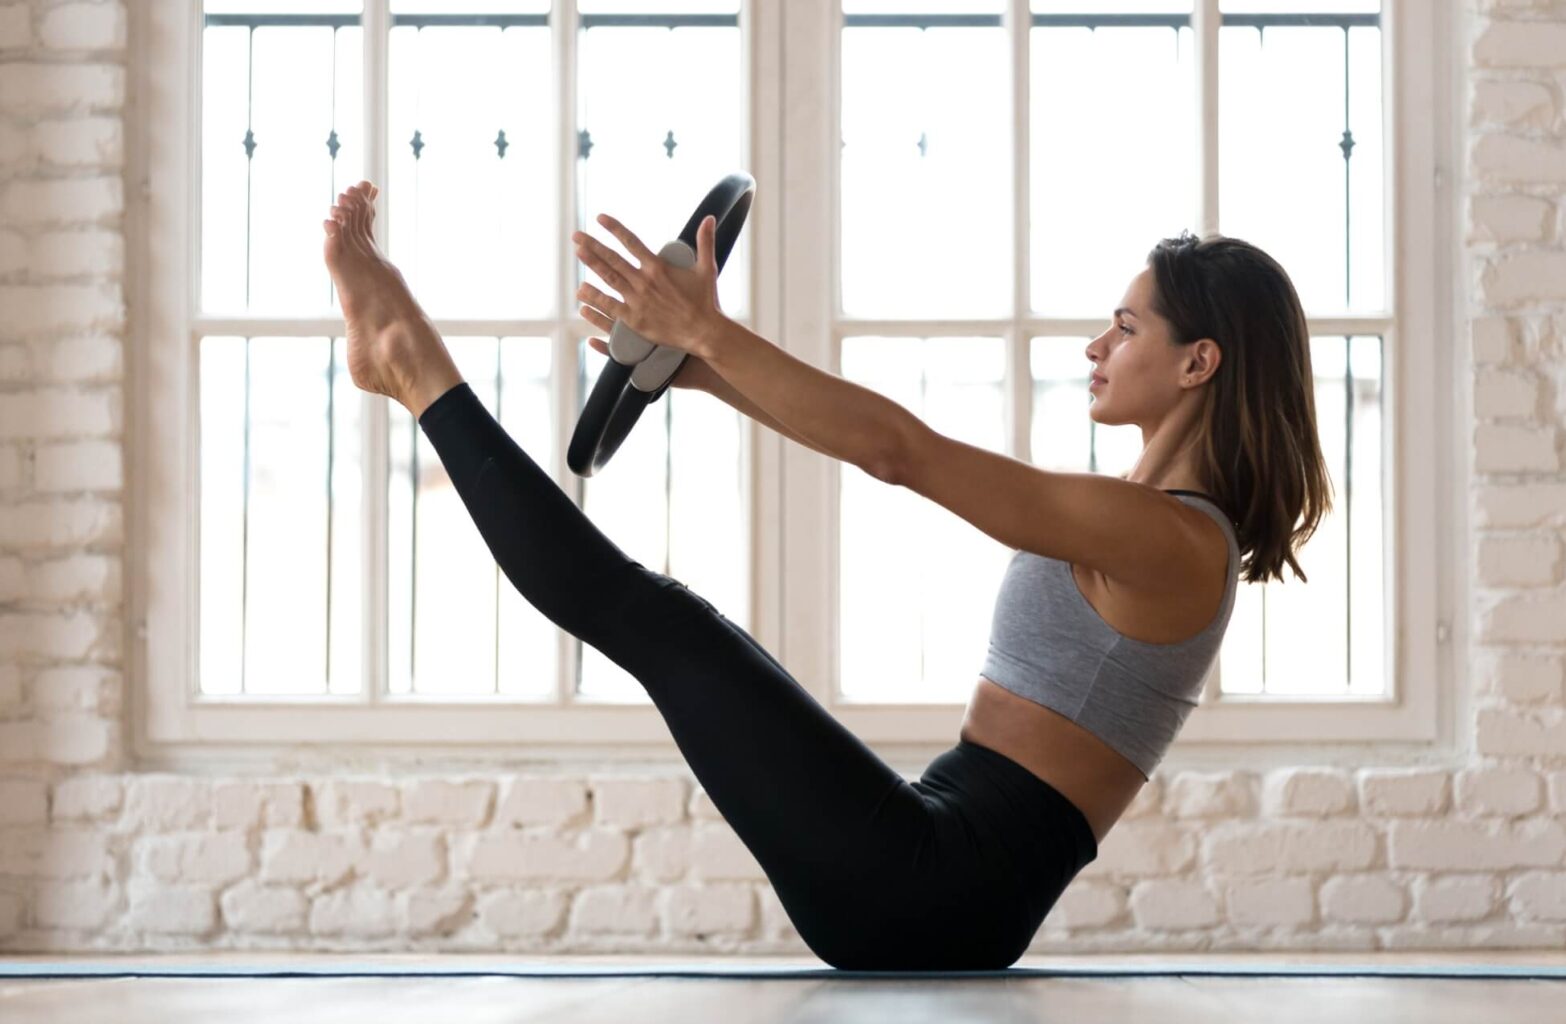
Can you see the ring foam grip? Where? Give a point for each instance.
(638, 371)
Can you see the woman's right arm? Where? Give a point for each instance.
(697, 375)
(717, 387)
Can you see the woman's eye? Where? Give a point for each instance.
(1126, 330)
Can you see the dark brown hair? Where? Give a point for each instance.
(1261, 456)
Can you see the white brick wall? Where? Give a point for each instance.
(94, 855)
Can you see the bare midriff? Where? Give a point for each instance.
(1082, 767)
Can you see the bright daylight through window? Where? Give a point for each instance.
(993, 197)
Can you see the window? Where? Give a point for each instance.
(951, 197)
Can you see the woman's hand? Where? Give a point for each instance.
(693, 373)
(667, 305)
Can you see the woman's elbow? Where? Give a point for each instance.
(899, 458)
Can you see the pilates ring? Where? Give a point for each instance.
(638, 372)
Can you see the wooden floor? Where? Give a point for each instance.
(580, 1000)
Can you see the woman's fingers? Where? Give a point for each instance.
(632, 244)
(615, 271)
(601, 300)
(707, 246)
(597, 319)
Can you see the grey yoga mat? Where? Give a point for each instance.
(543, 969)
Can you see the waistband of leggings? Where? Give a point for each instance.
(1032, 795)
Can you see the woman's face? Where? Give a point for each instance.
(1137, 368)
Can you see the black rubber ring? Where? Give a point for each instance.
(615, 403)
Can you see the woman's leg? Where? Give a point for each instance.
(794, 783)
(827, 819)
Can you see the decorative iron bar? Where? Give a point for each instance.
(244, 543)
(332, 147)
(250, 149)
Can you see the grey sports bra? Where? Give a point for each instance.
(1049, 645)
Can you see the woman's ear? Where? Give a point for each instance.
(1202, 358)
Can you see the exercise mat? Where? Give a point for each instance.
(742, 970)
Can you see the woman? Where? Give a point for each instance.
(1109, 617)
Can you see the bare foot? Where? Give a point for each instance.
(393, 349)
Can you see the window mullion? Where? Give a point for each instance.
(1019, 403)
(1205, 23)
(565, 398)
(373, 408)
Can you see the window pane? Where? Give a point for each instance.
(1325, 637)
(281, 116)
(1301, 156)
(280, 507)
(648, 154)
(673, 500)
(926, 172)
(472, 197)
(916, 583)
(1113, 164)
(1064, 437)
(222, 540)
(447, 636)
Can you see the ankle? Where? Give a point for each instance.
(433, 377)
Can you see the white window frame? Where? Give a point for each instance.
(792, 52)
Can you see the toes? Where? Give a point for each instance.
(333, 229)
(362, 223)
(361, 226)
(367, 219)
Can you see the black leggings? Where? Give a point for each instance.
(953, 872)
